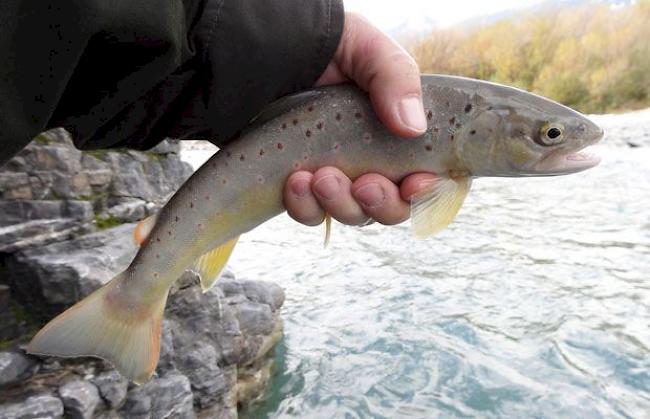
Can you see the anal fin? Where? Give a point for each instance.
(435, 208)
(211, 264)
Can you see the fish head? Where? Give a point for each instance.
(516, 133)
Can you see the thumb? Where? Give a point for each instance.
(383, 68)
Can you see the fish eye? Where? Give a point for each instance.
(551, 134)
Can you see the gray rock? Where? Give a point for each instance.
(13, 366)
(80, 210)
(15, 212)
(209, 382)
(56, 276)
(70, 185)
(15, 186)
(38, 233)
(112, 387)
(36, 407)
(99, 179)
(127, 209)
(264, 293)
(164, 397)
(166, 147)
(255, 318)
(80, 399)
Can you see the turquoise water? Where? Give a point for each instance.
(535, 303)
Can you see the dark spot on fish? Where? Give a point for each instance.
(338, 116)
(295, 122)
(242, 157)
(207, 197)
(472, 132)
(191, 204)
(337, 146)
(157, 256)
(447, 104)
(308, 133)
(319, 125)
(310, 108)
(305, 157)
(228, 154)
(284, 126)
(169, 233)
(357, 115)
(458, 125)
(436, 130)
(451, 137)
(199, 226)
(224, 181)
(489, 108)
(428, 147)
(468, 108)
(214, 164)
(176, 218)
(452, 120)
(158, 239)
(430, 114)
(261, 151)
(155, 275)
(280, 146)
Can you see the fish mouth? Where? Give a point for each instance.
(564, 164)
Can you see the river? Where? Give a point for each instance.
(534, 303)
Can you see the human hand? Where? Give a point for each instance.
(380, 66)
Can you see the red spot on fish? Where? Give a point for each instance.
(367, 138)
(280, 146)
(296, 165)
(337, 146)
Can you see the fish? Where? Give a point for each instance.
(475, 129)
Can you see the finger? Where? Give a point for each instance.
(380, 199)
(416, 183)
(332, 190)
(300, 202)
(383, 68)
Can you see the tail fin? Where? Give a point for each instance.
(107, 325)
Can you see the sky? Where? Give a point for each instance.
(389, 14)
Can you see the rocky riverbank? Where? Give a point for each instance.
(66, 222)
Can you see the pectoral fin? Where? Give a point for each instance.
(436, 207)
(211, 264)
(328, 230)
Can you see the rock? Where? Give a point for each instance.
(36, 407)
(209, 381)
(166, 147)
(79, 210)
(252, 382)
(16, 212)
(127, 209)
(13, 366)
(15, 186)
(56, 276)
(112, 387)
(264, 293)
(255, 318)
(80, 398)
(38, 233)
(164, 397)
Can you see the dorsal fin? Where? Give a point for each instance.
(283, 105)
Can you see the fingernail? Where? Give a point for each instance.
(411, 113)
(327, 187)
(299, 187)
(371, 195)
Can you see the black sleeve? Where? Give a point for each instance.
(130, 73)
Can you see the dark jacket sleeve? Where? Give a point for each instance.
(130, 73)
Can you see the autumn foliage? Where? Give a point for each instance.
(595, 58)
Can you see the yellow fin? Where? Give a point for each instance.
(436, 207)
(328, 230)
(211, 264)
(143, 229)
(110, 325)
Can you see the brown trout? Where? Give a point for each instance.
(475, 129)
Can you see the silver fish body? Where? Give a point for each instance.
(475, 129)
